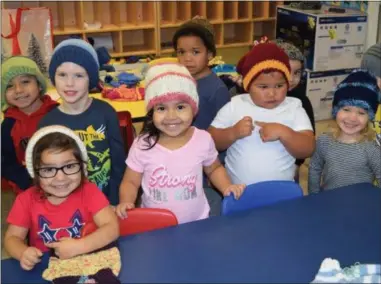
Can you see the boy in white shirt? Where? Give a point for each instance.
(263, 131)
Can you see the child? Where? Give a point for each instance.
(349, 155)
(23, 89)
(371, 62)
(263, 131)
(168, 157)
(195, 46)
(73, 70)
(297, 88)
(53, 211)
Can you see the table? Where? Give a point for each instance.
(137, 109)
(284, 242)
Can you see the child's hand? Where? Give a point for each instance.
(30, 257)
(236, 189)
(66, 247)
(121, 209)
(270, 131)
(244, 127)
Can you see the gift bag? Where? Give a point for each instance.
(27, 32)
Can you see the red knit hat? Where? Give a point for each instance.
(263, 56)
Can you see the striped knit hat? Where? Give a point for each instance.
(167, 82)
(263, 56)
(358, 89)
(79, 52)
(16, 66)
(48, 130)
(371, 60)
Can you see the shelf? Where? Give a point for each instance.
(167, 12)
(183, 11)
(69, 14)
(198, 8)
(142, 41)
(111, 40)
(260, 9)
(215, 10)
(230, 10)
(218, 34)
(237, 33)
(166, 35)
(273, 5)
(266, 28)
(244, 10)
(137, 13)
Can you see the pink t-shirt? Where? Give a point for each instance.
(172, 179)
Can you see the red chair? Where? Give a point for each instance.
(139, 220)
(8, 185)
(127, 128)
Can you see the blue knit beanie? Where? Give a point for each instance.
(359, 89)
(79, 52)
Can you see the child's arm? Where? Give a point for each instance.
(220, 179)
(316, 166)
(374, 158)
(300, 144)
(224, 138)
(128, 192)
(14, 244)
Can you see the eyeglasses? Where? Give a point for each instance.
(50, 172)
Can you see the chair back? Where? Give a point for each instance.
(139, 220)
(262, 194)
(126, 128)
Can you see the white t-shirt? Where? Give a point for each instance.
(249, 160)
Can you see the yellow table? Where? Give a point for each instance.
(137, 109)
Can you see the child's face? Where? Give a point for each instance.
(352, 120)
(296, 73)
(72, 82)
(59, 183)
(173, 118)
(193, 54)
(268, 90)
(23, 92)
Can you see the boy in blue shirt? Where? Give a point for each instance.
(195, 45)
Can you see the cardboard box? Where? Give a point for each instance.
(320, 89)
(329, 41)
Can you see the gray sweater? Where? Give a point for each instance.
(335, 164)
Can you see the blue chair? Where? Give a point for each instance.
(262, 194)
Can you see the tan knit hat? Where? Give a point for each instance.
(170, 81)
(48, 130)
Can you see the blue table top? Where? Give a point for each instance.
(281, 243)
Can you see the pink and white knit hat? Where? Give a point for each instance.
(170, 81)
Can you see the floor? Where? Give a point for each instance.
(7, 198)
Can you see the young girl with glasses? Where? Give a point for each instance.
(62, 201)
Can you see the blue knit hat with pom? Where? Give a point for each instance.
(359, 89)
(79, 52)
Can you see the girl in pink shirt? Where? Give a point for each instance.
(169, 156)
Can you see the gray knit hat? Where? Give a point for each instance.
(371, 60)
(292, 51)
(48, 130)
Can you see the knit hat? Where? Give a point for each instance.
(45, 131)
(201, 28)
(263, 56)
(371, 60)
(19, 65)
(358, 89)
(167, 82)
(291, 50)
(79, 52)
